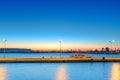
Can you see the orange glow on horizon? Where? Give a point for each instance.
(54, 46)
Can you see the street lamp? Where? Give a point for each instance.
(60, 47)
(111, 42)
(4, 45)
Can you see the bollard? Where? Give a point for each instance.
(103, 58)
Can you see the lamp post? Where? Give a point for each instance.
(111, 42)
(60, 47)
(4, 45)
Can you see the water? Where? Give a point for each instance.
(59, 71)
(37, 55)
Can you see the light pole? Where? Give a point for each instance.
(111, 42)
(4, 45)
(60, 47)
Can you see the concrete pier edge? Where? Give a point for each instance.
(55, 60)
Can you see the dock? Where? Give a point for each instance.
(41, 60)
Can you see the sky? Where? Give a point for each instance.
(41, 24)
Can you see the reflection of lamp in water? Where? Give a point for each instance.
(2, 73)
(61, 73)
(4, 41)
(115, 71)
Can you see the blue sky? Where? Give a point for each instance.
(75, 22)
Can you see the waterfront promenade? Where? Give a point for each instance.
(38, 60)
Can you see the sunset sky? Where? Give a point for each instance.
(41, 24)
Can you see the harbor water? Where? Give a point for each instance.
(59, 71)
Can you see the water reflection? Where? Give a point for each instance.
(61, 73)
(115, 71)
(3, 73)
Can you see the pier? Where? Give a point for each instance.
(40, 60)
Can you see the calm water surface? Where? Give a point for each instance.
(59, 71)
(33, 55)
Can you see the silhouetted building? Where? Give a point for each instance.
(96, 51)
